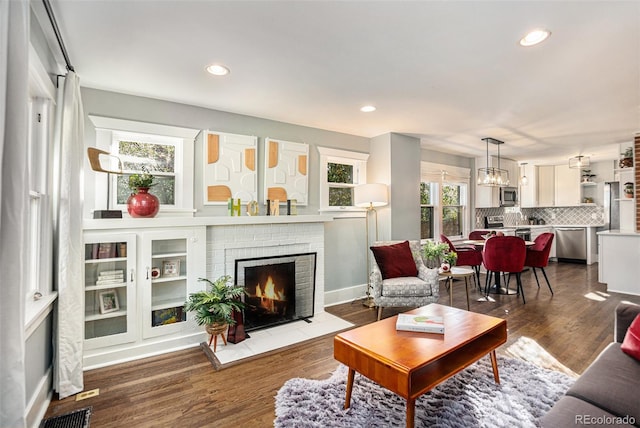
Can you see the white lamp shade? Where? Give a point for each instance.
(374, 194)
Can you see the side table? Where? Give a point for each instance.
(458, 272)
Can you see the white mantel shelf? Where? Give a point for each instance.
(137, 223)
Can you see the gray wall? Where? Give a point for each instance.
(345, 237)
(405, 178)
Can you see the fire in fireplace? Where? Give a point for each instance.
(278, 289)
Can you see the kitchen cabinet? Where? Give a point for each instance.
(567, 186)
(487, 196)
(136, 283)
(529, 191)
(546, 186)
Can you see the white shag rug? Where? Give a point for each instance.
(471, 398)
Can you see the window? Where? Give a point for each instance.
(340, 172)
(164, 151)
(444, 199)
(426, 210)
(154, 154)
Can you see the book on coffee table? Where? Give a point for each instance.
(420, 323)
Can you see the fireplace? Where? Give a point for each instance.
(278, 289)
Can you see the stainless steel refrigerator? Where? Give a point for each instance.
(611, 206)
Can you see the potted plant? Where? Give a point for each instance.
(214, 307)
(141, 203)
(628, 189)
(627, 158)
(433, 253)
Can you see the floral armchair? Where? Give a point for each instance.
(412, 291)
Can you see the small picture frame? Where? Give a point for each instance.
(108, 301)
(171, 268)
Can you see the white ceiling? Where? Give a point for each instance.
(449, 73)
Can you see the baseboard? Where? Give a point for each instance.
(40, 400)
(345, 295)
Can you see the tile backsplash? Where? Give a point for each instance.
(588, 215)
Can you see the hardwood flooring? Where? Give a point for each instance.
(182, 388)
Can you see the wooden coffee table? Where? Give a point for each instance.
(410, 364)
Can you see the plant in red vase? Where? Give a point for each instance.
(141, 203)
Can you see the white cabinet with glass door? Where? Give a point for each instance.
(171, 263)
(109, 289)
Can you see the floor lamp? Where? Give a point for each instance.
(370, 196)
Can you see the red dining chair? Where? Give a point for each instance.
(538, 256)
(468, 255)
(477, 235)
(504, 254)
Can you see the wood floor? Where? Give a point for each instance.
(182, 388)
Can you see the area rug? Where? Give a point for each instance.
(469, 399)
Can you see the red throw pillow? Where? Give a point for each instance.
(631, 342)
(395, 260)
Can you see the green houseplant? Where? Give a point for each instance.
(627, 158)
(141, 203)
(143, 180)
(434, 252)
(215, 306)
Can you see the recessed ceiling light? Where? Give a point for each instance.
(367, 109)
(218, 70)
(534, 37)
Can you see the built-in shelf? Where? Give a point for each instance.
(104, 286)
(95, 316)
(169, 279)
(111, 260)
(588, 183)
(625, 199)
(166, 304)
(168, 255)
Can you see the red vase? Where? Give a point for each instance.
(143, 203)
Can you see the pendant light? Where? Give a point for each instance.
(579, 162)
(523, 179)
(491, 176)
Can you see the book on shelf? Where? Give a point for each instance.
(110, 281)
(114, 276)
(420, 323)
(112, 272)
(106, 250)
(167, 316)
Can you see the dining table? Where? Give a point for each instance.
(496, 288)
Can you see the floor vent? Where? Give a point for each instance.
(76, 419)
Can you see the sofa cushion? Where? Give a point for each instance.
(405, 286)
(395, 260)
(570, 411)
(609, 383)
(631, 343)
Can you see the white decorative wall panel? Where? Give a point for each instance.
(229, 167)
(286, 171)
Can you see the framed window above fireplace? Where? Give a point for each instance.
(340, 172)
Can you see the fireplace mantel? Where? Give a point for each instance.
(137, 223)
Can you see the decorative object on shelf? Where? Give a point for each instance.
(491, 176)
(215, 307)
(627, 158)
(252, 208)
(234, 206)
(141, 203)
(155, 272)
(273, 207)
(370, 196)
(587, 177)
(292, 207)
(96, 159)
(108, 301)
(434, 253)
(628, 189)
(579, 162)
(587, 200)
(171, 268)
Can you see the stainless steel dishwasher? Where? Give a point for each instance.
(571, 244)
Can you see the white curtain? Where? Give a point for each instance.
(69, 152)
(14, 199)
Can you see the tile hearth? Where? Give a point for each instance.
(263, 341)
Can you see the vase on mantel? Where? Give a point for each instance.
(142, 203)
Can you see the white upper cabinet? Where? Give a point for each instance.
(567, 186)
(529, 191)
(546, 186)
